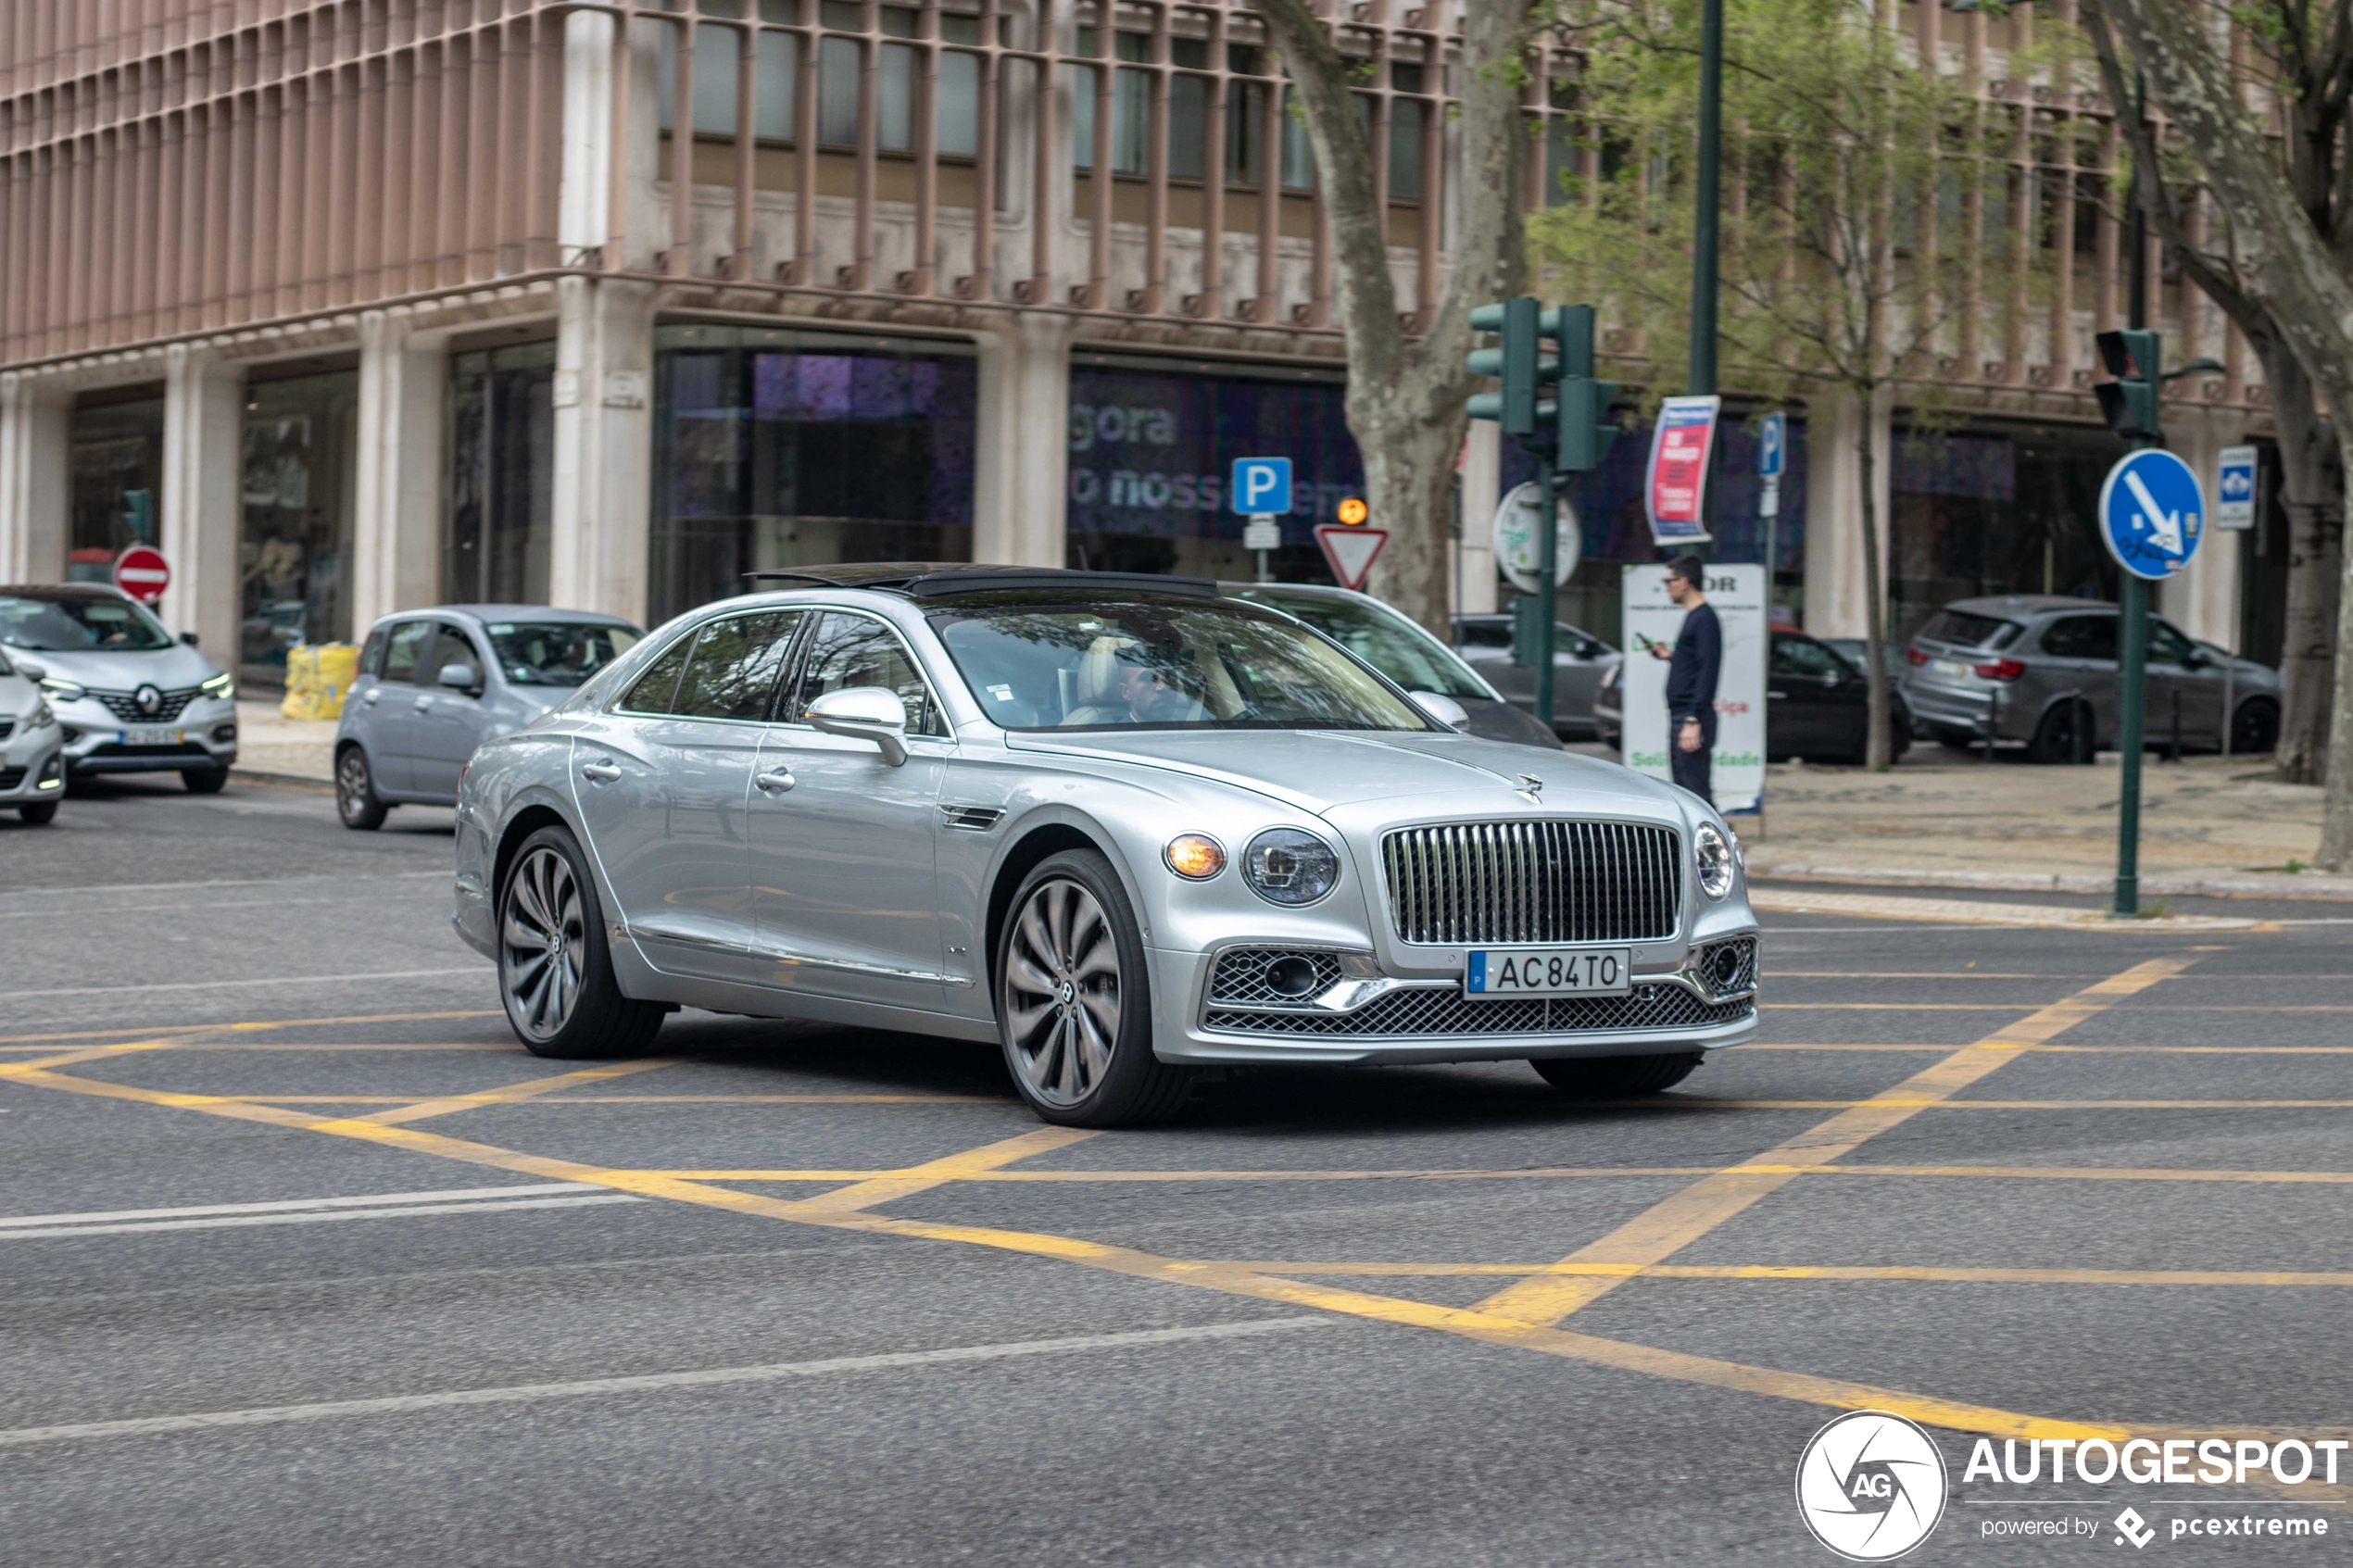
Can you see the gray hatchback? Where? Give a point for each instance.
(2041, 669)
(436, 683)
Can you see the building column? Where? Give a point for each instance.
(1836, 602)
(204, 416)
(36, 478)
(603, 501)
(1482, 491)
(397, 528)
(1020, 479)
(2203, 600)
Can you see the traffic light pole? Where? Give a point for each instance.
(1548, 537)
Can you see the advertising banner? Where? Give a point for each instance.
(1652, 621)
(1675, 486)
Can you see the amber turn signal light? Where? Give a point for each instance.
(1196, 857)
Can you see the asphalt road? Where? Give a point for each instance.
(303, 1261)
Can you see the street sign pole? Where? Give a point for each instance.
(1547, 563)
(2132, 655)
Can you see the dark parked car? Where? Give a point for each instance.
(1817, 704)
(1580, 661)
(2040, 669)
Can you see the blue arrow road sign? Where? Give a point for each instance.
(1261, 485)
(1772, 440)
(2152, 514)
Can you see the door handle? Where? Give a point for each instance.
(599, 773)
(777, 779)
(371, 698)
(1777, 693)
(424, 704)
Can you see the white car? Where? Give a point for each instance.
(129, 697)
(33, 774)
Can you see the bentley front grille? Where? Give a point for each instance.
(1443, 1011)
(1537, 881)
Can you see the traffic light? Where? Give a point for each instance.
(1581, 404)
(2129, 403)
(1530, 614)
(1514, 364)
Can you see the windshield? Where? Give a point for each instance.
(1155, 664)
(71, 623)
(555, 653)
(1381, 638)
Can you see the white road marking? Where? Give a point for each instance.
(321, 1216)
(440, 1195)
(522, 1393)
(217, 882)
(481, 969)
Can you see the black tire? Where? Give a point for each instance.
(551, 934)
(40, 813)
(2255, 728)
(356, 799)
(2064, 735)
(1056, 988)
(1615, 1077)
(204, 781)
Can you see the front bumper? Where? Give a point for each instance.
(31, 769)
(95, 740)
(1351, 1012)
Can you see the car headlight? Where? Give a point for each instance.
(1290, 866)
(63, 690)
(1715, 857)
(1196, 857)
(222, 685)
(42, 716)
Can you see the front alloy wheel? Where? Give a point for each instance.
(542, 944)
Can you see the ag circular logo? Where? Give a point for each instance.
(1872, 1486)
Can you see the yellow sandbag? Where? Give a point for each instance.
(318, 675)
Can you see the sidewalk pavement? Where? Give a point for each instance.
(276, 749)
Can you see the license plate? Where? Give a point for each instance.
(152, 735)
(1949, 666)
(1561, 972)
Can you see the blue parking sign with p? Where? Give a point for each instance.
(1261, 485)
(1772, 444)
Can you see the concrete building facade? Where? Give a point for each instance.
(355, 304)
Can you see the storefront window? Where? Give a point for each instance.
(776, 449)
(502, 451)
(300, 448)
(118, 484)
(1150, 447)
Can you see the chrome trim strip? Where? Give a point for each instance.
(683, 938)
(783, 955)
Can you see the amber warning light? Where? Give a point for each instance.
(1353, 511)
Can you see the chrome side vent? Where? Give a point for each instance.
(973, 819)
(1533, 881)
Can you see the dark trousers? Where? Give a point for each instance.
(1691, 768)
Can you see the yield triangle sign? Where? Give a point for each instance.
(1351, 551)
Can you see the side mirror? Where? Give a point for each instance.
(2195, 659)
(189, 638)
(459, 677)
(868, 713)
(1445, 709)
(1588, 648)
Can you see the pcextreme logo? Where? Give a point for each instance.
(1872, 1486)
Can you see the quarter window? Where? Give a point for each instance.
(654, 688)
(733, 673)
(854, 650)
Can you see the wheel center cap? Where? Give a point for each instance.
(1068, 994)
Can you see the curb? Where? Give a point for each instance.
(280, 781)
(2303, 886)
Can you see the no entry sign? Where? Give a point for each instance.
(142, 572)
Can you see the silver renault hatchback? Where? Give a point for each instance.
(129, 696)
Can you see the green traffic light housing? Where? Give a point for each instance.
(2129, 402)
(1514, 364)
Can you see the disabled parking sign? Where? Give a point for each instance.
(2152, 514)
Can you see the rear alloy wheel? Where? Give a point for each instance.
(38, 813)
(2064, 735)
(2255, 728)
(554, 972)
(1073, 1000)
(1615, 1077)
(356, 799)
(204, 781)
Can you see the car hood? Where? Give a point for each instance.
(1319, 771)
(171, 668)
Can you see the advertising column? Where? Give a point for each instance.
(1652, 621)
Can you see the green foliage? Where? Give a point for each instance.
(1848, 176)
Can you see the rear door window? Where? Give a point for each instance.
(1483, 635)
(2081, 636)
(409, 639)
(736, 664)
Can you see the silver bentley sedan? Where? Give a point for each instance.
(1122, 825)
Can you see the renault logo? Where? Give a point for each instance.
(150, 700)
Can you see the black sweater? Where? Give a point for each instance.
(1691, 674)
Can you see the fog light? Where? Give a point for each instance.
(73, 736)
(1291, 976)
(223, 734)
(1196, 857)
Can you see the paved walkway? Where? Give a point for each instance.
(281, 748)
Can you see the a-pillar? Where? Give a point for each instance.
(600, 528)
(203, 497)
(397, 531)
(1022, 469)
(1482, 491)
(36, 479)
(1837, 596)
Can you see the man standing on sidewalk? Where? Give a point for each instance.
(1697, 657)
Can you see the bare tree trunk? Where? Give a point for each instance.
(2313, 496)
(1878, 747)
(2337, 820)
(1405, 396)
